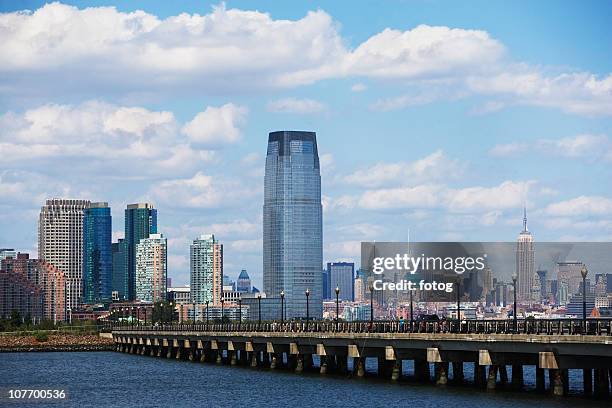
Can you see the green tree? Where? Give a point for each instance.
(15, 318)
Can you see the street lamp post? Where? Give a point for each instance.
(372, 307)
(222, 311)
(282, 295)
(584, 273)
(258, 310)
(171, 312)
(307, 293)
(514, 278)
(411, 313)
(207, 315)
(239, 312)
(458, 306)
(337, 308)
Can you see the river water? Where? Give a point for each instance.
(110, 379)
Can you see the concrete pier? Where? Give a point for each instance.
(490, 355)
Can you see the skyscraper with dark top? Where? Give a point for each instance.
(97, 253)
(140, 223)
(292, 222)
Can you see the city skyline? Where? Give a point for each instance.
(447, 145)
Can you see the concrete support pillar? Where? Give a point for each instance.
(232, 358)
(442, 373)
(480, 375)
(396, 370)
(159, 351)
(219, 359)
(458, 372)
(587, 380)
(152, 352)
(341, 364)
(254, 359)
(265, 360)
(602, 383)
(203, 354)
(323, 365)
(191, 355)
(274, 361)
(492, 378)
(503, 375)
(359, 367)
(299, 363)
(169, 352)
(421, 370)
(308, 363)
(540, 380)
(517, 376)
(557, 382)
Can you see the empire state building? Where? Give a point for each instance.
(525, 261)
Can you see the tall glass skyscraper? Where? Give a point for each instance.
(97, 253)
(292, 222)
(140, 223)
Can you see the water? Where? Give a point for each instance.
(109, 379)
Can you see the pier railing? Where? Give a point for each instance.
(593, 326)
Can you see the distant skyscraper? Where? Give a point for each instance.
(120, 265)
(140, 222)
(525, 261)
(342, 276)
(243, 285)
(206, 260)
(151, 268)
(325, 284)
(359, 290)
(60, 243)
(569, 273)
(541, 275)
(97, 253)
(292, 222)
(6, 253)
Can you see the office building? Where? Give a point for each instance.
(151, 268)
(243, 285)
(97, 254)
(120, 279)
(7, 253)
(206, 270)
(60, 243)
(569, 273)
(140, 223)
(525, 262)
(292, 222)
(342, 276)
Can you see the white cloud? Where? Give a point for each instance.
(581, 146)
(293, 105)
(359, 87)
(510, 149)
(327, 164)
(424, 51)
(62, 50)
(200, 191)
(435, 166)
(582, 206)
(216, 126)
(509, 194)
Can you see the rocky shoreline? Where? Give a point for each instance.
(55, 343)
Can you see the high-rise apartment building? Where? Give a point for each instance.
(342, 276)
(525, 262)
(292, 222)
(120, 273)
(206, 265)
(151, 268)
(60, 243)
(97, 253)
(140, 222)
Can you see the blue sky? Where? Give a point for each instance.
(440, 118)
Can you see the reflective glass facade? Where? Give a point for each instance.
(140, 223)
(292, 222)
(97, 253)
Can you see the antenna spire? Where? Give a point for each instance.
(525, 218)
